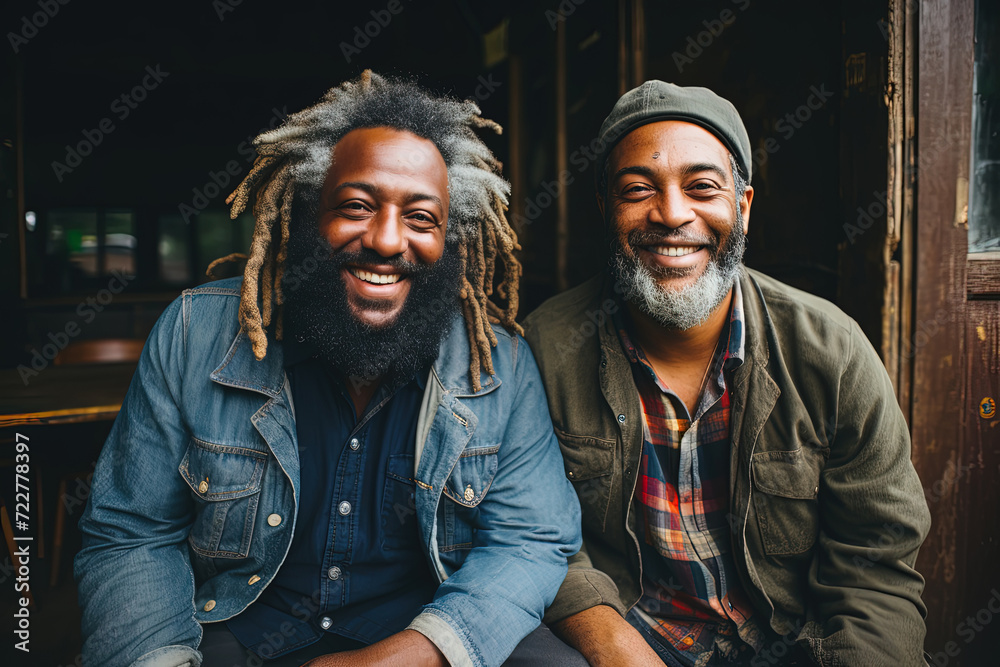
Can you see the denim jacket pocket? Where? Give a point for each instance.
(472, 476)
(399, 509)
(785, 487)
(589, 464)
(225, 481)
(465, 488)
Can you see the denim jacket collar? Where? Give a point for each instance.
(242, 370)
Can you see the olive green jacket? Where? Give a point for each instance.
(826, 509)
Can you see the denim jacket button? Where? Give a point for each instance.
(325, 622)
(274, 520)
(210, 605)
(253, 580)
(333, 573)
(621, 419)
(469, 494)
(203, 487)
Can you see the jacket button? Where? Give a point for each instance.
(333, 573)
(344, 508)
(274, 520)
(621, 419)
(355, 443)
(325, 622)
(253, 580)
(210, 605)
(570, 473)
(203, 487)
(469, 494)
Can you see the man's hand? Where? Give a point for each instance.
(408, 647)
(606, 639)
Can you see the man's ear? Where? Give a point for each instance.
(744, 205)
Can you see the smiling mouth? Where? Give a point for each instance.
(376, 278)
(674, 251)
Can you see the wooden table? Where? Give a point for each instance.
(64, 394)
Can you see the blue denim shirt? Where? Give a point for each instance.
(356, 550)
(195, 495)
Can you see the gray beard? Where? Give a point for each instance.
(687, 307)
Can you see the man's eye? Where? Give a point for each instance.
(422, 219)
(635, 189)
(354, 206)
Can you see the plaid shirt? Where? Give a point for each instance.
(691, 594)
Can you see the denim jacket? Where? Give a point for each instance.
(196, 492)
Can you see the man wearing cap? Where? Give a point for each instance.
(742, 464)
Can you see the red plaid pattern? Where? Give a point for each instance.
(691, 593)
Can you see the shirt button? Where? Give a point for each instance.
(621, 419)
(355, 443)
(325, 622)
(274, 520)
(333, 573)
(344, 508)
(210, 605)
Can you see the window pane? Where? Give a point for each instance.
(219, 236)
(984, 190)
(72, 241)
(172, 249)
(119, 241)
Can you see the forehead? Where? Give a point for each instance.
(384, 153)
(675, 143)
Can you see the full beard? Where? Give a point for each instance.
(688, 306)
(317, 311)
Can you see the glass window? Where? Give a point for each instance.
(119, 242)
(72, 241)
(173, 251)
(219, 236)
(984, 189)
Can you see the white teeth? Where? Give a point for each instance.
(376, 278)
(672, 251)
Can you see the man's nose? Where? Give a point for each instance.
(672, 208)
(386, 233)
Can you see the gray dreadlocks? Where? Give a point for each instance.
(293, 161)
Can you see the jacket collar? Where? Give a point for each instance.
(242, 370)
(452, 365)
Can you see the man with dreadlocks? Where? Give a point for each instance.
(346, 458)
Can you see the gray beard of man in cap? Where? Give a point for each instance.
(684, 307)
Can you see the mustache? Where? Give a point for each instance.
(369, 256)
(646, 237)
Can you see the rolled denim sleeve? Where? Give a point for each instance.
(136, 586)
(528, 525)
